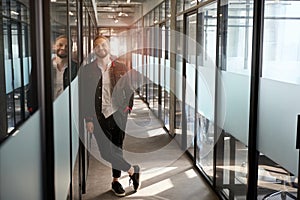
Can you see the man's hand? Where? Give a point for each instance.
(90, 127)
(127, 109)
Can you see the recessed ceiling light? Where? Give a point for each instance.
(116, 20)
(121, 14)
(14, 12)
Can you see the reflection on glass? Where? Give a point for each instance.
(17, 63)
(162, 10)
(239, 28)
(206, 55)
(190, 95)
(60, 81)
(156, 69)
(281, 41)
(163, 58)
(233, 94)
(179, 4)
(179, 75)
(167, 76)
(189, 3)
(274, 181)
(168, 10)
(280, 82)
(15, 9)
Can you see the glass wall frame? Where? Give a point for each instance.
(190, 79)
(179, 78)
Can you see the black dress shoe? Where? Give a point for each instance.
(135, 177)
(117, 188)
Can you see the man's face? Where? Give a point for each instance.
(101, 48)
(61, 47)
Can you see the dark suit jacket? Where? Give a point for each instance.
(90, 83)
(32, 96)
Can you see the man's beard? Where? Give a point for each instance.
(62, 55)
(102, 54)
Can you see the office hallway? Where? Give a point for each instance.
(167, 173)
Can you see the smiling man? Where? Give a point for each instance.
(60, 70)
(60, 73)
(106, 100)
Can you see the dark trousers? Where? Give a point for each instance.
(110, 136)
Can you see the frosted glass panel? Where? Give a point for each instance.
(140, 62)
(156, 68)
(233, 104)
(206, 92)
(20, 163)
(190, 85)
(167, 81)
(281, 41)
(179, 76)
(17, 72)
(8, 76)
(150, 67)
(62, 145)
(134, 61)
(26, 70)
(162, 73)
(278, 109)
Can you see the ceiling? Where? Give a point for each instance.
(118, 13)
(110, 13)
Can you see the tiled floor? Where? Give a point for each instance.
(167, 173)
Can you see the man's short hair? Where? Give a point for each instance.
(60, 37)
(100, 37)
(63, 36)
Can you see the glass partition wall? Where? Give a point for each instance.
(65, 41)
(205, 87)
(214, 86)
(232, 98)
(278, 102)
(15, 26)
(60, 96)
(39, 119)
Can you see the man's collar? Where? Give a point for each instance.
(55, 64)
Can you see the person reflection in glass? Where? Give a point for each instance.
(60, 73)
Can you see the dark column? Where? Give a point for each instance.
(257, 45)
(41, 60)
(3, 118)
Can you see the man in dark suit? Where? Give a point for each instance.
(106, 99)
